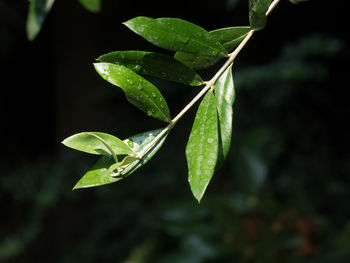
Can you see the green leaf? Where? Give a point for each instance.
(202, 146)
(154, 64)
(91, 5)
(138, 91)
(225, 96)
(100, 174)
(257, 13)
(176, 35)
(89, 142)
(139, 143)
(229, 37)
(37, 12)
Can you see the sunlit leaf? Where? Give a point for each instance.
(229, 37)
(176, 35)
(154, 64)
(118, 168)
(100, 174)
(225, 96)
(257, 13)
(202, 146)
(91, 5)
(141, 142)
(37, 12)
(95, 143)
(138, 91)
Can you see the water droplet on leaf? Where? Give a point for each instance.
(131, 143)
(215, 52)
(184, 39)
(137, 67)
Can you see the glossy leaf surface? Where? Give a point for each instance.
(100, 173)
(138, 91)
(257, 13)
(176, 35)
(154, 64)
(225, 96)
(37, 12)
(139, 143)
(202, 146)
(91, 5)
(88, 142)
(229, 37)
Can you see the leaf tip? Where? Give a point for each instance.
(77, 186)
(65, 142)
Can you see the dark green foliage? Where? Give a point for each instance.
(203, 146)
(176, 35)
(257, 13)
(154, 64)
(286, 146)
(229, 37)
(138, 91)
(210, 138)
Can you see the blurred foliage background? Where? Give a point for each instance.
(282, 194)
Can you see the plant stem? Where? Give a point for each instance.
(211, 82)
(228, 63)
(208, 85)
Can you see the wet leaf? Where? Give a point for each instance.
(89, 142)
(91, 5)
(225, 96)
(118, 168)
(176, 35)
(100, 174)
(141, 142)
(257, 13)
(37, 12)
(229, 37)
(138, 91)
(202, 146)
(154, 64)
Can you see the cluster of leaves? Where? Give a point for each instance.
(195, 48)
(153, 219)
(38, 9)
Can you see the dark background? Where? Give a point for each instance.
(282, 195)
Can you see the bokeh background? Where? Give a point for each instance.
(282, 194)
